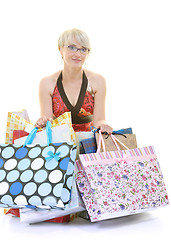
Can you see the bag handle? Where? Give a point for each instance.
(32, 134)
(115, 140)
(49, 132)
(101, 141)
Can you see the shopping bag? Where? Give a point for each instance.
(36, 175)
(118, 183)
(13, 122)
(74, 206)
(127, 139)
(20, 121)
(18, 134)
(89, 145)
(59, 134)
(17, 120)
(16, 212)
(65, 118)
(79, 137)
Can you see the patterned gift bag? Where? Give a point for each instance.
(36, 175)
(122, 182)
(15, 121)
(20, 120)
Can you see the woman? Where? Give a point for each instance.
(73, 88)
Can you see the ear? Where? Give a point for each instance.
(61, 52)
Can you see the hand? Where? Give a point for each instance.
(106, 128)
(41, 122)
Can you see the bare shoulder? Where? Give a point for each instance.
(96, 80)
(48, 83)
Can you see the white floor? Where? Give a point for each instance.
(149, 225)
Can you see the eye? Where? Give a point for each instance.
(83, 50)
(72, 47)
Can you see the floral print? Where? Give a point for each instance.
(111, 189)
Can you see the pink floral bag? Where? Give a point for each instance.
(118, 183)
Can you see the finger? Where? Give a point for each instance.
(37, 124)
(40, 123)
(110, 131)
(44, 119)
(106, 129)
(50, 119)
(103, 129)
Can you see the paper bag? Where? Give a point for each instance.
(127, 139)
(123, 182)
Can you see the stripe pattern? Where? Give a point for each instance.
(112, 156)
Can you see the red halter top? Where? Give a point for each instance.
(82, 112)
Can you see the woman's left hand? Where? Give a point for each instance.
(106, 128)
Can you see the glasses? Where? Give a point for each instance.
(74, 49)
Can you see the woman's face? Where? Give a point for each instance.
(74, 55)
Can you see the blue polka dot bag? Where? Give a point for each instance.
(36, 176)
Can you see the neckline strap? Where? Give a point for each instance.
(74, 109)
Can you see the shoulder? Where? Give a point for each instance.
(96, 80)
(48, 83)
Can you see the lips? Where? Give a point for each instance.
(76, 60)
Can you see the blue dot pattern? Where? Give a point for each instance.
(16, 188)
(21, 153)
(33, 184)
(1, 162)
(64, 163)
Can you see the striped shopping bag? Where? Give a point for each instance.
(118, 183)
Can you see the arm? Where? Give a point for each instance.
(99, 119)
(46, 111)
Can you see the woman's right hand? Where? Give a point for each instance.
(41, 122)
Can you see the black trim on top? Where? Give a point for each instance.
(75, 109)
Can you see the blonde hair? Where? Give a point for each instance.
(78, 35)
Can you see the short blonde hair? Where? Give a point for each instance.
(78, 35)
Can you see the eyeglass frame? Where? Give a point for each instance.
(84, 53)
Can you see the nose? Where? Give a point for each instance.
(78, 52)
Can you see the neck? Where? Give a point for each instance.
(72, 74)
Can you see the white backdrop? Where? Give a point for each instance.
(130, 47)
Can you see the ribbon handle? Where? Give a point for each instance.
(115, 140)
(30, 137)
(32, 134)
(101, 141)
(49, 132)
